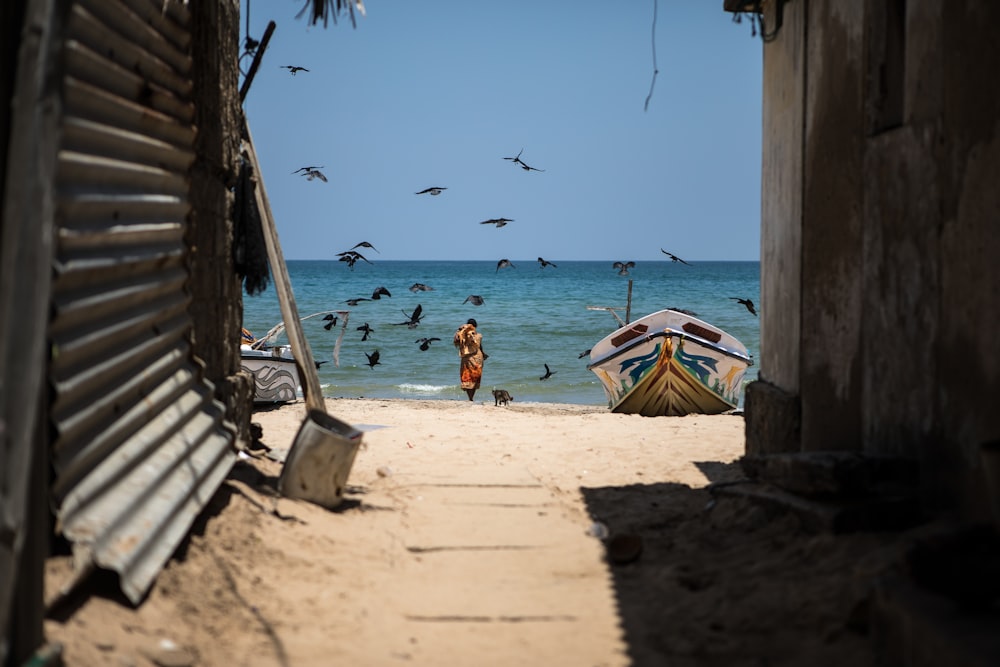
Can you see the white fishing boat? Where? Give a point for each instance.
(670, 363)
(275, 375)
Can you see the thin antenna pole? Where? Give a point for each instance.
(628, 303)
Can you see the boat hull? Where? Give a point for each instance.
(275, 375)
(670, 364)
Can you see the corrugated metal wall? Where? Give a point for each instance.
(139, 443)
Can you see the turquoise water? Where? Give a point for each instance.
(530, 317)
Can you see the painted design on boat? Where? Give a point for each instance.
(275, 375)
(669, 363)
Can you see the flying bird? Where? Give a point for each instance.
(548, 373)
(746, 302)
(367, 331)
(542, 263)
(311, 173)
(499, 222)
(583, 354)
(673, 258)
(475, 299)
(352, 256)
(365, 244)
(320, 363)
(379, 293)
(623, 267)
(354, 302)
(372, 359)
(413, 319)
(331, 323)
(329, 316)
(517, 160)
(503, 264)
(425, 343)
(431, 191)
(420, 287)
(294, 69)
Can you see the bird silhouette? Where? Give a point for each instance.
(623, 267)
(367, 331)
(365, 244)
(329, 316)
(354, 302)
(413, 319)
(311, 173)
(746, 302)
(420, 287)
(542, 263)
(431, 191)
(503, 264)
(475, 299)
(673, 257)
(583, 354)
(548, 373)
(320, 363)
(294, 69)
(517, 160)
(499, 222)
(425, 343)
(379, 293)
(332, 322)
(372, 359)
(352, 256)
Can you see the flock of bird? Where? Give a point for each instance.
(413, 318)
(351, 257)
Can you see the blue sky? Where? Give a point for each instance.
(424, 94)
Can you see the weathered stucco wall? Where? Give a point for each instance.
(831, 346)
(960, 134)
(772, 404)
(886, 335)
(781, 208)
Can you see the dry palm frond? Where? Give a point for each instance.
(331, 9)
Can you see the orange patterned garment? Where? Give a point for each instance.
(469, 344)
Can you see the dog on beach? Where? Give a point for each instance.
(502, 397)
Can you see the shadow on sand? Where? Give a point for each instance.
(705, 580)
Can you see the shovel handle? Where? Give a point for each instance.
(283, 286)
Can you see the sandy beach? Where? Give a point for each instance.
(475, 534)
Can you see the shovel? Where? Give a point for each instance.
(321, 456)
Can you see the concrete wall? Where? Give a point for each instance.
(831, 312)
(781, 208)
(881, 297)
(772, 405)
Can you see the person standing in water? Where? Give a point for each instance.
(470, 351)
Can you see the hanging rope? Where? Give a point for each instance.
(655, 70)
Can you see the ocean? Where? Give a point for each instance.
(529, 317)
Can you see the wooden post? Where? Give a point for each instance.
(628, 303)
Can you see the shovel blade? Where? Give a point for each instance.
(320, 460)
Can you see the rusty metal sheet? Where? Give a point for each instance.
(139, 444)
